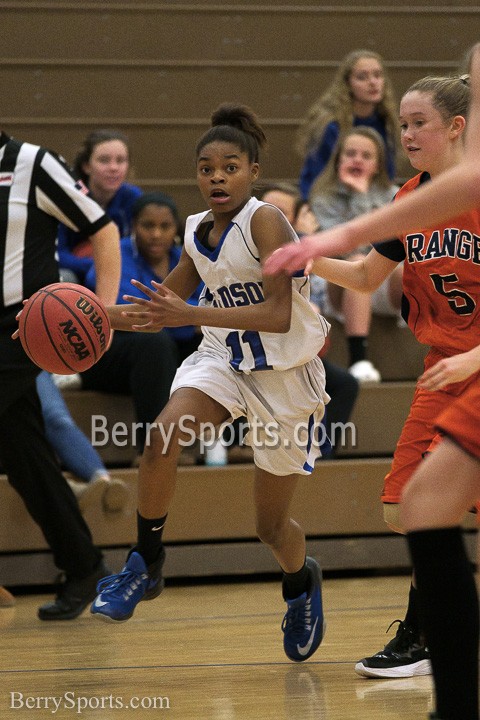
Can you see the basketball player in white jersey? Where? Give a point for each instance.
(258, 358)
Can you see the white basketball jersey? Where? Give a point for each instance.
(233, 278)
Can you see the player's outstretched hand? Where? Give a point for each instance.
(163, 308)
(297, 256)
(290, 258)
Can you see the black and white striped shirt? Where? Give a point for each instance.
(37, 190)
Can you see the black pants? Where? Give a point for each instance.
(142, 365)
(29, 461)
(343, 390)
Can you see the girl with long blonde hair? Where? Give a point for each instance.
(361, 93)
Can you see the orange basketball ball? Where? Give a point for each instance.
(64, 328)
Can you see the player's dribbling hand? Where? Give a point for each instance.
(16, 334)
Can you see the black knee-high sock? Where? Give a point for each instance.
(411, 617)
(448, 609)
(150, 534)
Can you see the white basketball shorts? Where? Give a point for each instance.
(284, 409)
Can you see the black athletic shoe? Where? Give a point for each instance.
(404, 656)
(73, 597)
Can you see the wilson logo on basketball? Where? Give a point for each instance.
(94, 318)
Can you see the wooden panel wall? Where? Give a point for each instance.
(157, 69)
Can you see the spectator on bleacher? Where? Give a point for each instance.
(354, 182)
(38, 190)
(92, 481)
(341, 385)
(102, 167)
(360, 93)
(143, 365)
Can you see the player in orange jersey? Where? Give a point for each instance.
(440, 304)
(441, 286)
(448, 482)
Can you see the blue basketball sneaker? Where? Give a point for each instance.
(118, 595)
(304, 625)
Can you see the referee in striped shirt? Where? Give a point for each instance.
(37, 190)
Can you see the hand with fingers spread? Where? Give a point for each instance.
(163, 308)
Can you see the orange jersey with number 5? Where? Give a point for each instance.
(441, 279)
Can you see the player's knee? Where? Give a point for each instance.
(391, 515)
(412, 505)
(157, 443)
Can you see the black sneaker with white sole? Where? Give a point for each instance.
(404, 656)
(73, 596)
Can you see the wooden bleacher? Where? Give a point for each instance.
(211, 529)
(338, 505)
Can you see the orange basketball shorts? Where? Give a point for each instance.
(461, 421)
(420, 434)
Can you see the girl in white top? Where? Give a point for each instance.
(258, 358)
